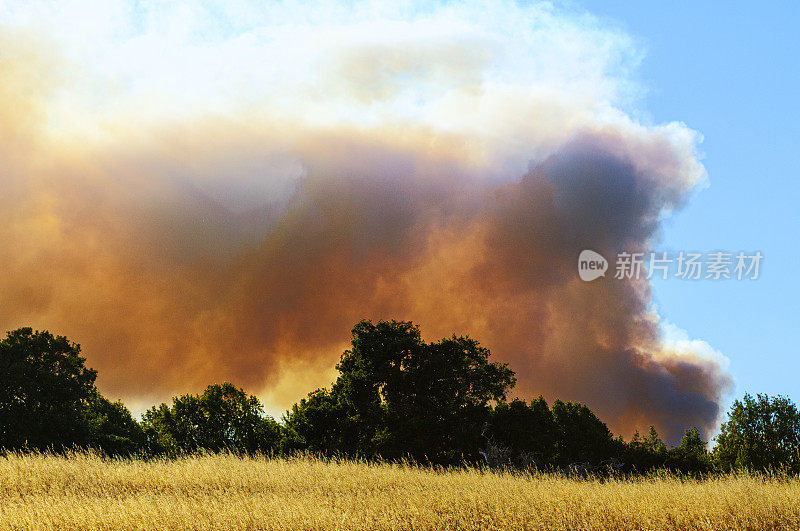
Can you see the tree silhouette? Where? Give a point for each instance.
(48, 399)
(527, 433)
(761, 433)
(581, 436)
(691, 456)
(398, 396)
(222, 418)
(112, 428)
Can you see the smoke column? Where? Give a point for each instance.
(201, 194)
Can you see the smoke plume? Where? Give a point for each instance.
(201, 194)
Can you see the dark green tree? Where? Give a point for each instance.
(320, 424)
(643, 454)
(48, 399)
(112, 428)
(398, 396)
(653, 443)
(580, 436)
(526, 432)
(691, 456)
(761, 433)
(222, 418)
(44, 391)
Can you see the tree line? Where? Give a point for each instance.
(396, 397)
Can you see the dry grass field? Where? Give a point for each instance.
(84, 491)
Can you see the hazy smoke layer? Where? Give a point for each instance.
(206, 194)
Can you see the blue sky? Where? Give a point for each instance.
(730, 70)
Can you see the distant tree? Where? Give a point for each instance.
(44, 391)
(761, 433)
(320, 424)
(653, 443)
(691, 456)
(399, 396)
(438, 402)
(222, 418)
(48, 399)
(112, 428)
(643, 454)
(580, 435)
(526, 432)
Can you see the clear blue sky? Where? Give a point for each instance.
(730, 70)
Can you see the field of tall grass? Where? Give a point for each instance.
(223, 491)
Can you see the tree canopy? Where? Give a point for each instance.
(761, 433)
(223, 417)
(395, 397)
(398, 396)
(48, 399)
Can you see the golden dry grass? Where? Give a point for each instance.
(84, 491)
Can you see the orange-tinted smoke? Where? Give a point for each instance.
(165, 259)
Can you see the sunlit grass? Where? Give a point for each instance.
(85, 491)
